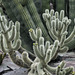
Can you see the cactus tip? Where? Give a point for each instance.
(30, 30)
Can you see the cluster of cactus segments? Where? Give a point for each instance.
(23, 11)
(57, 25)
(43, 50)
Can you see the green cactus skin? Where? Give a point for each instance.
(7, 6)
(71, 15)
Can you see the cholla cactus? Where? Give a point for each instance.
(35, 35)
(57, 25)
(44, 54)
(10, 42)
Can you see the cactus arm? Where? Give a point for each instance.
(13, 34)
(35, 35)
(42, 50)
(40, 71)
(69, 70)
(26, 58)
(17, 61)
(10, 26)
(55, 48)
(59, 68)
(36, 51)
(48, 22)
(52, 35)
(63, 38)
(17, 34)
(71, 36)
(17, 45)
(62, 14)
(57, 14)
(9, 29)
(50, 26)
(41, 41)
(32, 34)
(2, 24)
(47, 44)
(17, 30)
(63, 28)
(2, 45)
(62, 70)
(38, 32)
(50, 69)
(66, 23)
(62, 64)
(48, 56)
(64, 49)
(54, 30)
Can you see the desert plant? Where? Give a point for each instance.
(11, 42)
(57, 25)
(28, 19)
(24, 13)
